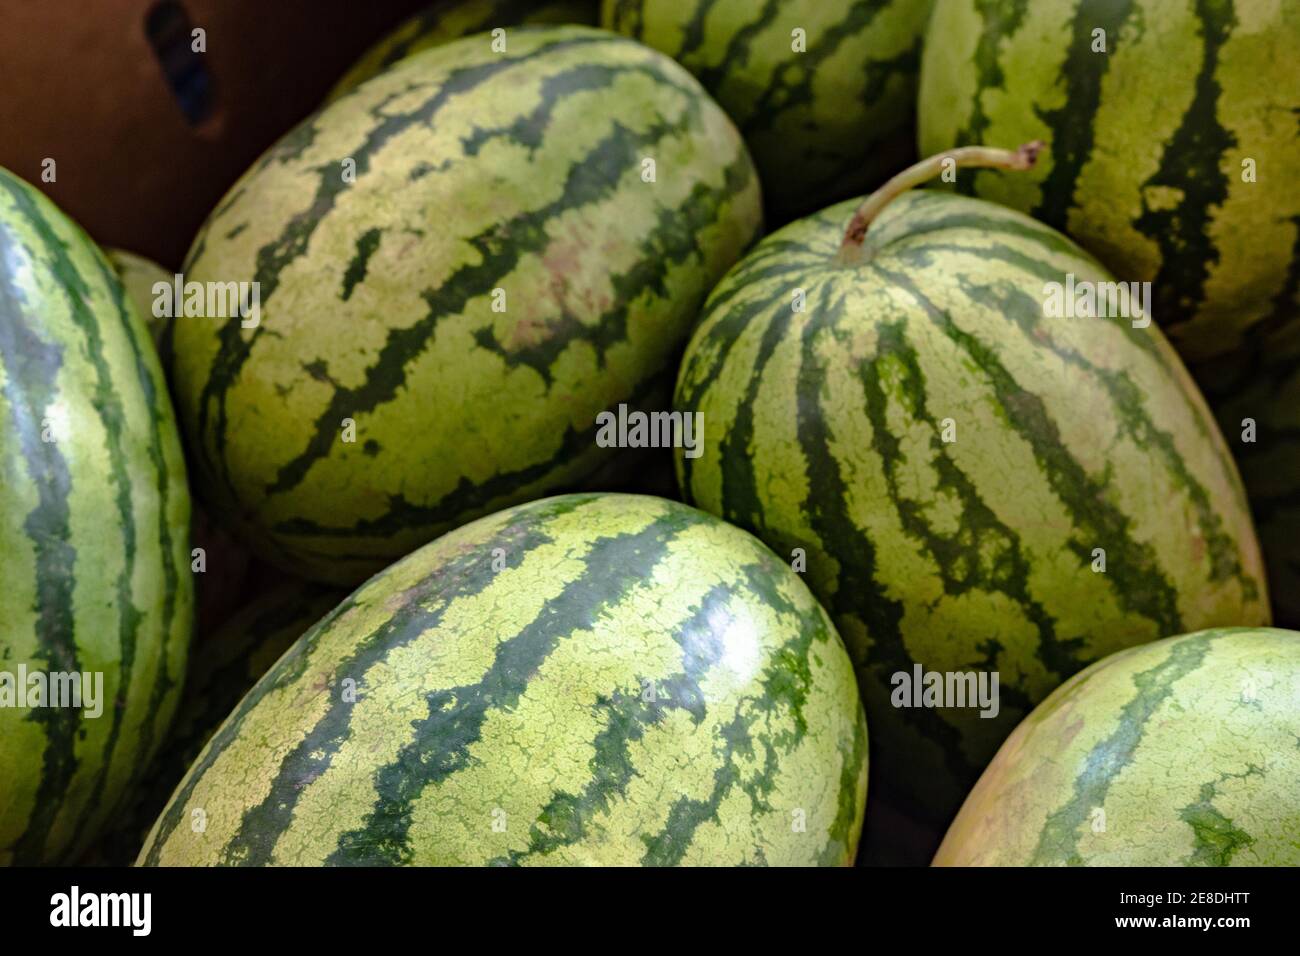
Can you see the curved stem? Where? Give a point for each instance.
(965, 156)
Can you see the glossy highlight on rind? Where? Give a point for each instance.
(1185, 752)
(520, 180)
(949, 459)
(94, 526)
(1169, 151)
(824, 91)
(586, 679)
(446, 20)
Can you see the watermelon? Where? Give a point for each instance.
(435, 340)
(1178, 753)
(448, 20)
(824, 91)
(976, 488)
(1173, 129)
(224, 665)
(585, 679)
(94, 554)
(221, 562)
(139, 277)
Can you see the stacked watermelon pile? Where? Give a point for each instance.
(956, 444)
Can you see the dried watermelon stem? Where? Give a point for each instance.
(964, 157)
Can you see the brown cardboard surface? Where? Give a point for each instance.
(82, 85)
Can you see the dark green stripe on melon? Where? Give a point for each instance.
(950, 458)
(446, 20)
(1173, 176)
(1178, 753)
(823, 90)
(603, 679)
(140, 278)
(95, 548)
(225, 665)
(377, 296)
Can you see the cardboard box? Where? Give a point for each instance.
(85, 87)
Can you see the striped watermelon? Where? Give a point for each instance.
(220, 586)
(612, 679)
(1179, 753)
(448, 20)
(498, 274)
(223, 667)
(948, 459)
(1171, 152)
(828, 112)
(228, 662)
(139, 276)
(94, 514)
